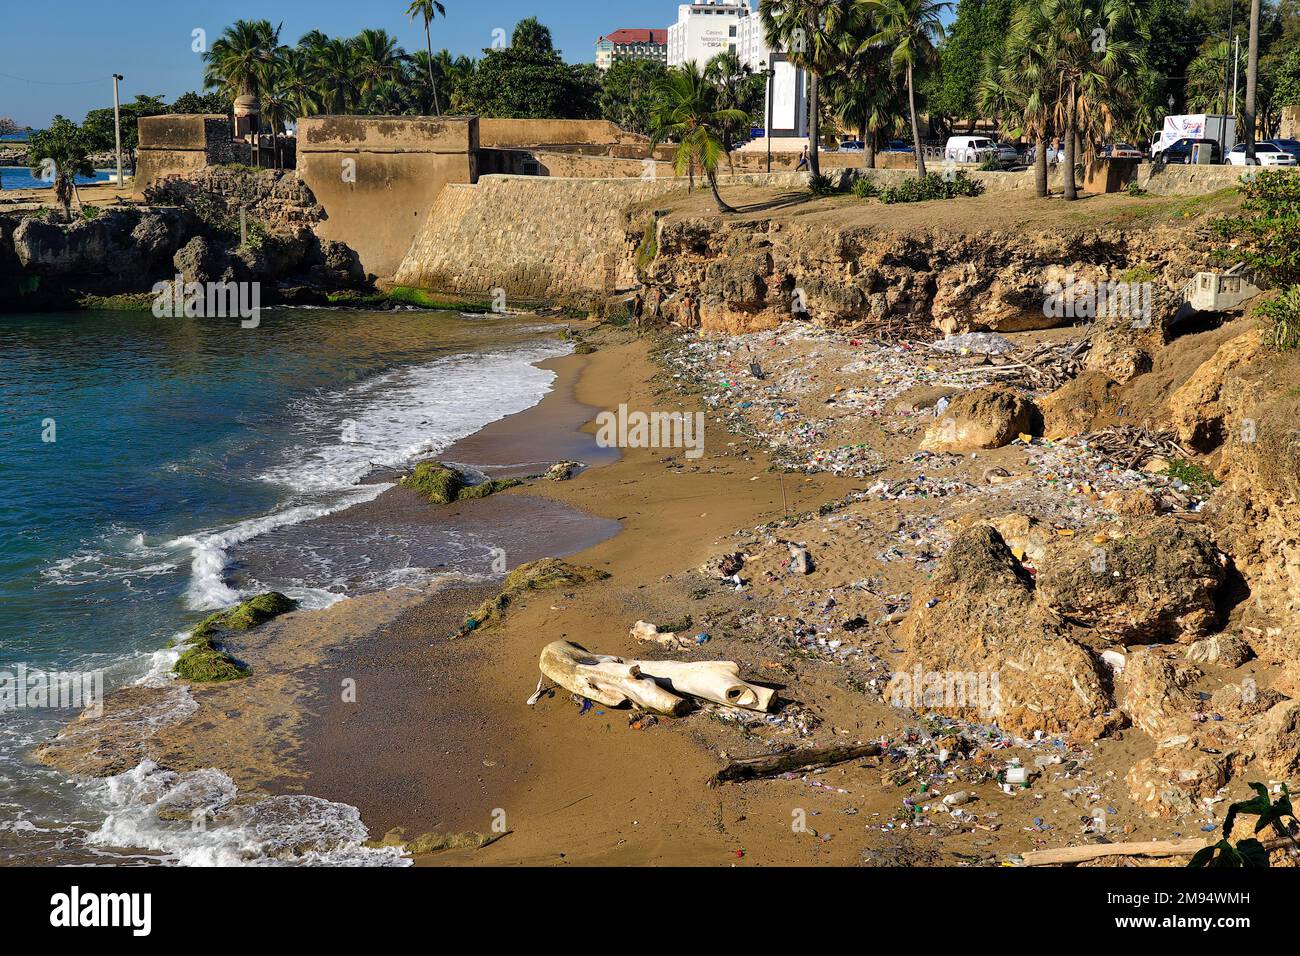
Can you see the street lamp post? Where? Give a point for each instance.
(117, 127)
(770, 72)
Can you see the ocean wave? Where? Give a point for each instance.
(208, 589)
(391, 420)
(192, 818)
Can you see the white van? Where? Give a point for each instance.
(970, 149)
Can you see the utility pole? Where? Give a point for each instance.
(1252, 80)
(1227, 65)
(1236, 69)
(117, 127)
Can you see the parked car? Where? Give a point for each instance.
(1292, 146)
(1266, 154)
(970, 149)
(1180, 150)
(899, 146)
(1008, 154)
(852, 146)
(1120, 151)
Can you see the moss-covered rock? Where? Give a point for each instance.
(247, 614)
(202, 662)
(544, 575)
(442, 485)
(486, 488)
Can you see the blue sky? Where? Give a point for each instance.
(64, 54)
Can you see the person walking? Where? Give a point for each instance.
(803, 160)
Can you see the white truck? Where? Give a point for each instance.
(1221, 129)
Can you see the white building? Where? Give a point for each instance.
(704, 29)
(709, 27)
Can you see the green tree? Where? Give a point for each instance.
(1018, 89)
(685, 112)
(980, 25)
(863, 94)
(909, 29)
(524, 83)
(531, 34)
(7, 126)
(193, 103)
(334, 65)
(239, 61)
(428, 78)
(377, 59)
(810, 31)
(735, 87)
(627, 94)
(426, 10)
(60, 153)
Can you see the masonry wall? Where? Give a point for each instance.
(376, 177)
(514, 133)
(181, 144)
(537, 237)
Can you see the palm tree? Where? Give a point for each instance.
(734, 89)
(685, 112)
(1018, 90)
(61, 151)
(810, 32)
(335, 69)
(1088, 45)
(378, 59)
(296, 81)
(909, 29)
(427, 10)
(239, 61)
(427, 75)
(863, 93)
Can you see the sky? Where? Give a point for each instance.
(60, 58)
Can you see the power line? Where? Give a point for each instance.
(23, 79)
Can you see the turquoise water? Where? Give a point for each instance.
(20, 177)
(149, 466)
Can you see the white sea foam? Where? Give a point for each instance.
(193, 819)
(208, 588)
(393, 419)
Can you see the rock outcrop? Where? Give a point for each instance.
(117, 242)
(988, 417)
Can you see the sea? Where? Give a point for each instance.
(152, 470)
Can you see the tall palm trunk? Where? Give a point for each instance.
(1071, 190)
(813, 123)
(1040, 166)
(916, 129)
(717, 197)
(1252, 78)
(428, 46)
(868, 147)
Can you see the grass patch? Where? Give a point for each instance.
(1190, 473)
(545, 575)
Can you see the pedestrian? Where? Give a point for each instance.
(638, 308)
(803, 160)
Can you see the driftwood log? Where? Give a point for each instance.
(718, 681)
(792, 761)
(1187, 846)
(606, 680)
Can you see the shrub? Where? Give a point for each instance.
(865, 188)
(821, 186)
(1284, 311)
(932, 186)
(1267, 240)
(990, 165)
